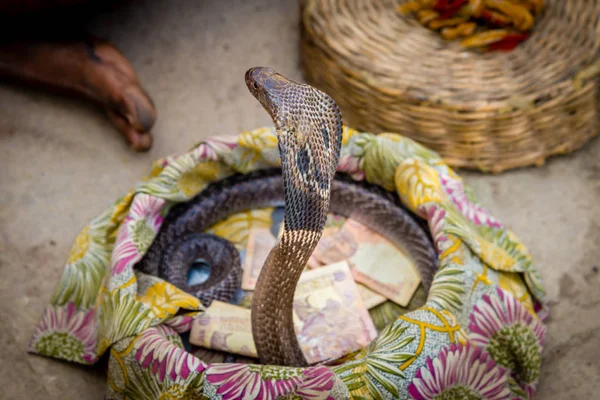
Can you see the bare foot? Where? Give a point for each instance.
(91, 68)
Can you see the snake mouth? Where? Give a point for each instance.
(269, 88)
(259, 79)
(265, 78)
(251, 80)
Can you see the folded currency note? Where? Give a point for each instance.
(224, 327)
(375, 261)
(370, 298)
(261, 239)
(330, 318)
(260, 243)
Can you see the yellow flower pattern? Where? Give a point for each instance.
(347, 133)
(80, 248)
(194, 180)
(157, 168)
(119, 213)
(173, 392)
(165, 299)
(494, 256)
(417, 184)
(512, 282)
(258, 139)
(235, 228)
(394, 137)
(121, 209)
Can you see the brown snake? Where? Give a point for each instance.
(309, 130)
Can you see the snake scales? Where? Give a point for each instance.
(308, 125)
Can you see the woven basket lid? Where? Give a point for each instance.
(490, 111)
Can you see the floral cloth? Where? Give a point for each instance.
(479, 335)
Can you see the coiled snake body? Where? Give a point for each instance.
(308, 125)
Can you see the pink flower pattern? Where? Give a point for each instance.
(154, 350)
(211, 148)
(66, 333)
(493, 313)
(351, 165)
(436, 217)
(474, 213)
(237, 381)
(316, 384)
(461, 372)
(181, 323)
(500, 324)
(137, 231)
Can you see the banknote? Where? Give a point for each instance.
(224, 327)
(335, 244)
(375, 261)
(260, 243)
(330, 318)
(369, 297)
(261, 239)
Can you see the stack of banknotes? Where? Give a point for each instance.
(352, 270)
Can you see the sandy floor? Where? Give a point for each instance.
(62, 164)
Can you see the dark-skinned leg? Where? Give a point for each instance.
(88, 67)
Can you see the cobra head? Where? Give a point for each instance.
(309, 129)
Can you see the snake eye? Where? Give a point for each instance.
(255, 85)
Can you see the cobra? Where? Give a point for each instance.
(309, 133)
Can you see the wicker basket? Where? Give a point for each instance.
(491, 112)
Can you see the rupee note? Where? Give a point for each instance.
(224, 327)
(261, 239)
(375, 262)
(330, 319)
(260, 243)
(369, 297)
(381, 266)
(335, 244)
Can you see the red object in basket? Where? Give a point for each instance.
(509, 42)
(447, 8)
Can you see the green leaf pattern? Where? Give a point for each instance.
(466, 249)
(377, 369)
